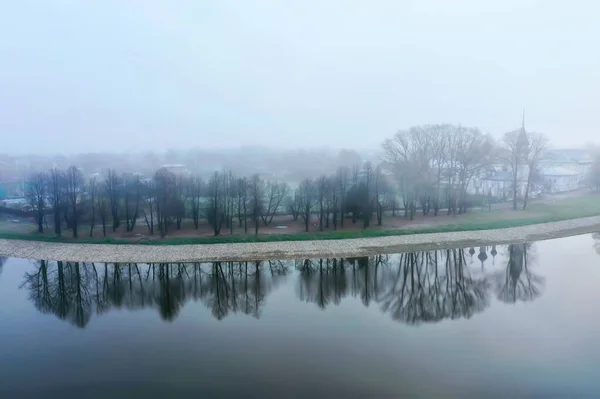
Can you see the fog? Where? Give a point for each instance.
(113, 75)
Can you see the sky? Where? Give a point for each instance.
(78, 76)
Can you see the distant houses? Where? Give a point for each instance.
(560, 170)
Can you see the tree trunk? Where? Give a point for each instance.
(515, 191)
(57, 229)
(306, 219)
(526, 192)
(245, 219)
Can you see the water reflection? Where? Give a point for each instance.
(518, 282)
(73, 291)
(413, 288)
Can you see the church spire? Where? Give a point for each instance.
(522, 140)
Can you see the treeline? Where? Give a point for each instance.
(225, 200)
(429, 167)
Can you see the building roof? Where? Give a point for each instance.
(558, 171)
(173, 165)
(501, 175)
(568, 156)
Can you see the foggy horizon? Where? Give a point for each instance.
(117, 77)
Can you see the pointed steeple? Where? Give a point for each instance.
(522, 140)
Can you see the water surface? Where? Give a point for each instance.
(516, 320)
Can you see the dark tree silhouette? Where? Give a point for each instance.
(307, 194)
(36, 197)
(55, 196)
(112, 186)
(517, 282)
(74, 185)
(63, 289)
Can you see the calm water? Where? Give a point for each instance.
(518, 320)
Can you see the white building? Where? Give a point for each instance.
(557, 179)
(577, 161)
(178, 170)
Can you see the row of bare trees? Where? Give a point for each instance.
(59, 191)
(224, 200)
(357, 193)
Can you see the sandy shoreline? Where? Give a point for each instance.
(296, 249)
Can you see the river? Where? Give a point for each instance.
(515, 320)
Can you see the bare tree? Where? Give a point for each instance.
(179, 199)
(367, 194)
(55, 194)
(165, 193)
(111, 186)
(216, 212)
(36, 197)
(293, 204)
(74, 190)
(276, 192)
(341, 177)
(537, 149)
(407, 155)
(257, 193)
(92, 193)
(231, 197)
(382, 194)
(334, 200)
(242, 202)
(439, 156)
(322, 187)
(102, 203)
(149, 205)
(133, 195)
(195, 188)
(516, 146)
(306, 191)
(474, 155)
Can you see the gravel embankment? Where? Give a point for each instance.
(289, 250)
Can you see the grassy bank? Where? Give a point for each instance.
(476, 220)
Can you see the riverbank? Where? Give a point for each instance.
(543, 210)
(293, 250)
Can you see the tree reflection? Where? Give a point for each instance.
(517, 282)
(413, 288)
(416, 287)
(61, 288)
(73, 291)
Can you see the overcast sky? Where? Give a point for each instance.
(95, 75)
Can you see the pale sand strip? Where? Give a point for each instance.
(292, 249)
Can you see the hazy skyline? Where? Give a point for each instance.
(111, 75)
